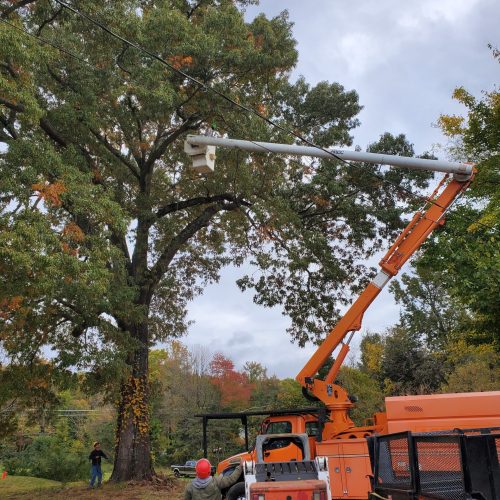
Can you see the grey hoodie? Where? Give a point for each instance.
(209, 488)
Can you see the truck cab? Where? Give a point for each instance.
(280, 450)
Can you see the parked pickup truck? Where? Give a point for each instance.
(188, 469)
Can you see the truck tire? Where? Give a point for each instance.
(236, 492)
(177, 473)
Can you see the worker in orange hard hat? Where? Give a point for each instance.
(206, 487)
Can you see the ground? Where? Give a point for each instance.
(21, 487)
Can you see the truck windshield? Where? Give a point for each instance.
(284, 427)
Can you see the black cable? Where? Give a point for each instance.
(228, 99)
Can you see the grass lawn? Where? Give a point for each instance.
(21, 484)
(23, 487)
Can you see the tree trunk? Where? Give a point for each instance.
(133, 446)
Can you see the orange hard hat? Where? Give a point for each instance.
(203, 468)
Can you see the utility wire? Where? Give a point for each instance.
(206, 87)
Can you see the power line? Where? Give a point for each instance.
(250, 110)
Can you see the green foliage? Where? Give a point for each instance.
(428, 312)
(472, 368)
(467, 254)
(450, 303)
(289, 395)
(408, 367)
(372, 348)
(33, 388)
(370, 398)
(103, 155)
(58, 457)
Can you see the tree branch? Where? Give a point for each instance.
(115, 153)
(49, 20)
(120, 242)
(161, 266)
(8, 124)
(11, 105)
(9, 69)
(202, 200)
(119, 57)
(162, 146)
(52, 132)
(138, 124)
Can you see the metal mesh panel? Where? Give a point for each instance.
(394, 463)
(440, 467)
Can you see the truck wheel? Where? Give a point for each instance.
(236, 492)
(177, 473)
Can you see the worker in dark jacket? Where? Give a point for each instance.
(95, 456)
(206, 487)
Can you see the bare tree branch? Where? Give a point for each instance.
(48, 21)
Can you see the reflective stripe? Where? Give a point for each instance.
(381, 279)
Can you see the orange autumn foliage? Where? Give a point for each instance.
(50, 192)
(180, 61)
(233, 385)
(68, 249)
(10, 306)
(262, 109)
(266, 232)
(73, 232)
(321, 202)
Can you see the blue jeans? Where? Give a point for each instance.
(96, 473)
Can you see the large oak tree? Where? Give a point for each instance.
(106, 233)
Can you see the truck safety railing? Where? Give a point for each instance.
(449, 465)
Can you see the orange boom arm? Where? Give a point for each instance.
(420, 227)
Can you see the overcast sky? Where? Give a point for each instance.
(404, 59)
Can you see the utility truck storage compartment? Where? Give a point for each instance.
(349, 467)
(443, 411)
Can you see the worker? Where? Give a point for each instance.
(95, 456)
(206, 487)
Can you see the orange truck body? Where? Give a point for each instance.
(349, 461)
(443, 412)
